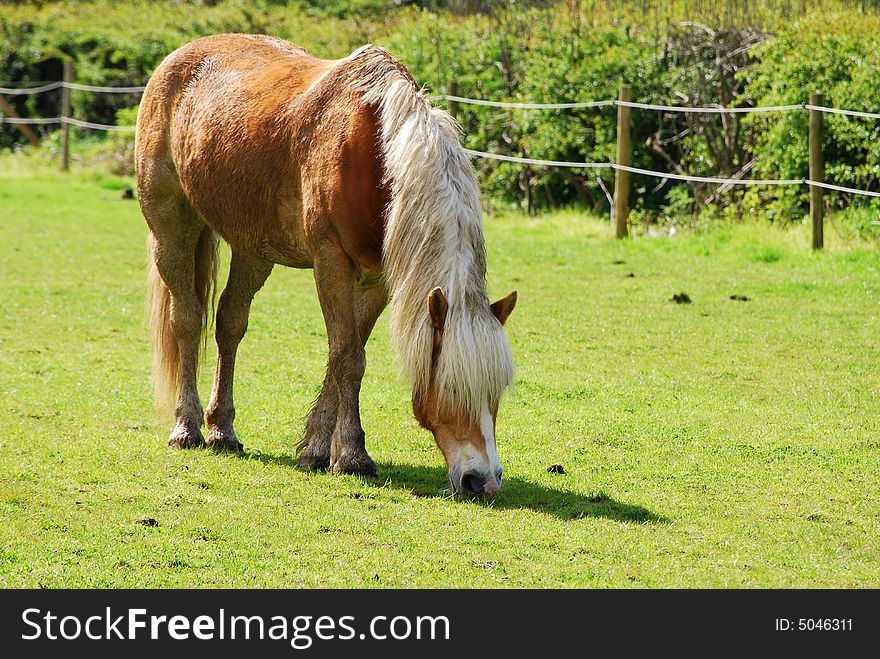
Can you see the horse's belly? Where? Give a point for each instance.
(289, 254)
(280, 242)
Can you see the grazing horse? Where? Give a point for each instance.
(344, 167)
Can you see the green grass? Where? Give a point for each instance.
(714, 444)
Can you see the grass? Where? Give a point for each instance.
(721, 443)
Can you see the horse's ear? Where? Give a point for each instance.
(503, 307)
(437, 308)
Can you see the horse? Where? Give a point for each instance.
(341, 166)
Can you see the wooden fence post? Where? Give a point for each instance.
(624, 156)
(452, 106)
(817, 172)
(65, 113)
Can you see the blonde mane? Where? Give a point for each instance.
(433, 237)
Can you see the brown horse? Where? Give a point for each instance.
(341, 166)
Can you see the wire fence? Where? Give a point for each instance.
(451, 98)
(665, 108)
(668, 175)
(20, 91)
(42, 121)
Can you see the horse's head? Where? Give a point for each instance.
(467, 440)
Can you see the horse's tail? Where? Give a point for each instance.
(165, 349)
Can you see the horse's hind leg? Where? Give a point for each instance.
(182, 248)
(246, 276)
(314, 449)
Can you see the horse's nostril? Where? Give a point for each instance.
(499, 474)
(472, 484)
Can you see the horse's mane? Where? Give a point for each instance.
(433, 237)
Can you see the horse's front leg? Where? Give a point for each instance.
(314, 450)
(335, 282)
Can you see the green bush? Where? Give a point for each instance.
(837, 55)
(519, 56)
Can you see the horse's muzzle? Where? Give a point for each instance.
(474, 483)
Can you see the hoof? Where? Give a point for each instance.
(359, 464)
(224, 441)
(183, 437)
(313, 461)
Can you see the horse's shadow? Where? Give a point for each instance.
(432, 482)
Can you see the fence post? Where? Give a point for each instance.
(452, 106)
(65, 113)
(817, 172)
(624, 155)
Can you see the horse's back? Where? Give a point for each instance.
(228, 63)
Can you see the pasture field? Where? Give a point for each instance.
(721, 443)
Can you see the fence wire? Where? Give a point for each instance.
(848, 113)
(668, 175)
(38, 121)
(532, 161)
(708, 110)
(103, 90)
(525, 106)
(21, 91)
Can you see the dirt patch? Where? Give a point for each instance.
(681, 298)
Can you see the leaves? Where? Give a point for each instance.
(835, 55)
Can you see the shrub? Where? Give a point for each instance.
(837, 55)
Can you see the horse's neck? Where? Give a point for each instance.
(434, 238)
